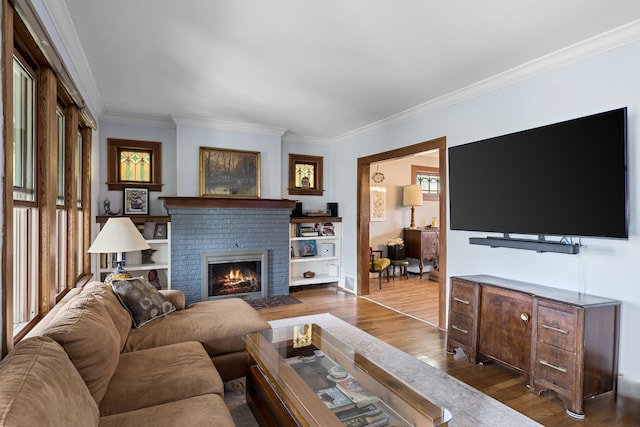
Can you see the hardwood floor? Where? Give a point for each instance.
(415, 297)
(427, 343)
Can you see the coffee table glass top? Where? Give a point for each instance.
(325, 381)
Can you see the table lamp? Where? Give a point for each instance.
(412, 196)
(118, 235)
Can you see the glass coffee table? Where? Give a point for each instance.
(305, 376)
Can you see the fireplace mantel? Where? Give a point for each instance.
(226, 202)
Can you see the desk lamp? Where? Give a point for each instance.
(118, 235)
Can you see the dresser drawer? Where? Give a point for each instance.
(555, 366)
(557, 326)
(463, 298)
(460, 328)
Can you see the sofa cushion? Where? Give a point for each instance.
(87, 333)
(206, 410)
(60, 306)
(219, 325)
(142, 300)
(38, 383)
(176, 297)
(119, 315)
(160, 375)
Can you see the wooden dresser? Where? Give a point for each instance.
(421, 244)
(560, 340)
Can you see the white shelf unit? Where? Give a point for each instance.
(327, 267)
(133, 260)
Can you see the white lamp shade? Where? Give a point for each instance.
(119, 235)
(412, 195)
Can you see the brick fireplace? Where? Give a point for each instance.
(214, 225)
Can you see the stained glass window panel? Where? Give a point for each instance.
(305, 175)
(430, 183)
(135, 166)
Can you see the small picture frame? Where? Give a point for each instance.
(308, 248)
(153, 279)
(135, 201)
(160, 231)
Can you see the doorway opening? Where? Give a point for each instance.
(364, 219)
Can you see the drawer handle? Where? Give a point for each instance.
(552, 366)
(464, 331)
(562, 331)
(456, 299)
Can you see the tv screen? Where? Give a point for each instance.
(564, 179)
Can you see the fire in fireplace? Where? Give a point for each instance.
(227, 274)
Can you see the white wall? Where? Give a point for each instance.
(604, 267)
(187, 158)
(291, 146)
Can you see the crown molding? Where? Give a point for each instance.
(601, 43)
(137, 120)
(300, 139)
(228, 126)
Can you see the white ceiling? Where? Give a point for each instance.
(317, 68)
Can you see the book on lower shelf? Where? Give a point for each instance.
(354, 391)
(334, 398)
(108, 260)
(369, 415)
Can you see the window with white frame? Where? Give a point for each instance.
(25, 209)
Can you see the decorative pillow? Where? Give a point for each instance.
(142, 300)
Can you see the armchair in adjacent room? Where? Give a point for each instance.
(379, 265)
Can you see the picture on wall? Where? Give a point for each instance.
(229, 173)
(378, 202)
(136, 201)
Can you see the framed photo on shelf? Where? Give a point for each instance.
(136, 201)
(229, 173)
(308, 248)
(160, 231)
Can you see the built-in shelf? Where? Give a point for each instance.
(326, 267)
(161, 257)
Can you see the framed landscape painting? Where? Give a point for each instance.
(229, 173)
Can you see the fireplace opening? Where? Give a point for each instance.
(233, 274)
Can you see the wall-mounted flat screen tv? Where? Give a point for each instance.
(564, 179)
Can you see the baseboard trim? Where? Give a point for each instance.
(629, 386)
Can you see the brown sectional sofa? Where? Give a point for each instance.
(85, 365)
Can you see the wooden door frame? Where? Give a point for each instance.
(363, 219)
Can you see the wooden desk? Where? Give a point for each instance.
(559, 340)
(422, 244)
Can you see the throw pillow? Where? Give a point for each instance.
(142, 300)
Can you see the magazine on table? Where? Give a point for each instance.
(354, 390)
(368, 415)
(334, 398)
